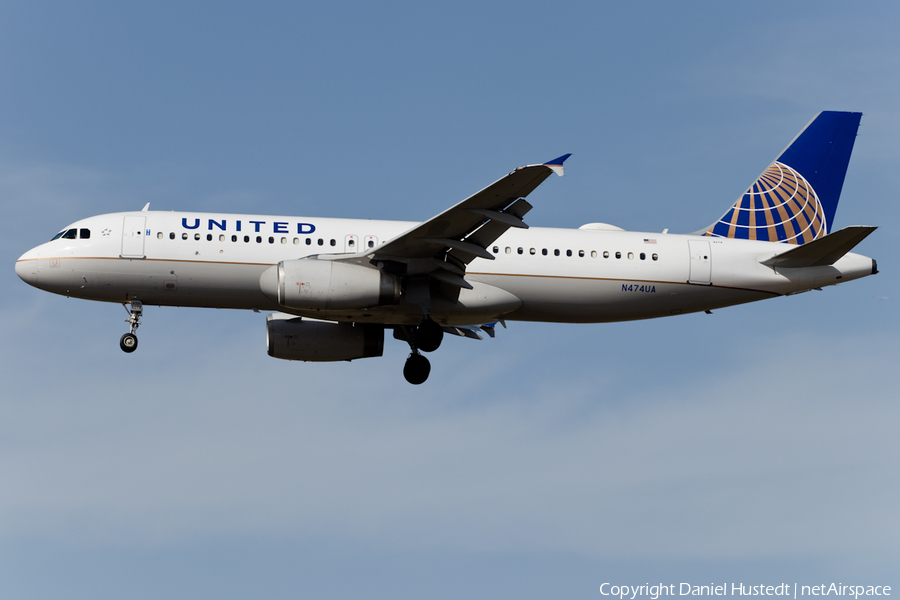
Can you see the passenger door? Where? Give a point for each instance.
(133, 237)
(701, 262)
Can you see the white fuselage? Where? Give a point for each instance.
(560, 275)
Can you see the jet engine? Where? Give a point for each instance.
(295, 338)
(309, 283)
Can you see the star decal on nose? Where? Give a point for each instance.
(106, 232)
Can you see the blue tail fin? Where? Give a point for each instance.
(795, 199)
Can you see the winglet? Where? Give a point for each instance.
(556, 165)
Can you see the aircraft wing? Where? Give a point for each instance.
(443, 245)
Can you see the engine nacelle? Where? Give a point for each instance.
(309, 283)
(293, 338)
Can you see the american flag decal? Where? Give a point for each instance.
(648, 241)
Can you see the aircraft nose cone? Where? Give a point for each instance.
(26, 270)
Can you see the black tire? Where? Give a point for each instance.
(416, 369)
(128, 342)
(429, 336)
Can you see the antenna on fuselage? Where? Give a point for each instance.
(146, 207)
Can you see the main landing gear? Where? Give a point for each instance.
(429, 336)
(426, 337)
(129, 341)
(417, 368)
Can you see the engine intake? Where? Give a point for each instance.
(309, 283)
(294, 338)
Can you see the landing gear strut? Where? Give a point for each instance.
(129, 341)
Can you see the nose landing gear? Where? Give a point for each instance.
(129, 341)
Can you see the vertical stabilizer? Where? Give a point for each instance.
(796, 197)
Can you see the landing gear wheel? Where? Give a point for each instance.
(416, 369)
(429, 336)
(128, 342)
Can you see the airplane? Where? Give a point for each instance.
(332, 287)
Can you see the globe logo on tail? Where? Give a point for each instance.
(780, 206)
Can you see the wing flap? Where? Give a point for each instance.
(451, 278)
(464, 247)
(506, 218)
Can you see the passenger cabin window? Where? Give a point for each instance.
(544, 252)
(159, 235)
(372, 245)
(655, 256)
(171, 235)
(184, 236)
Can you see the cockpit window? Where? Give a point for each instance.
(72, 234)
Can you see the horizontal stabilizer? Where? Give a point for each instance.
(825, 250)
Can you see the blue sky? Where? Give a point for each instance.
(756, 443)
